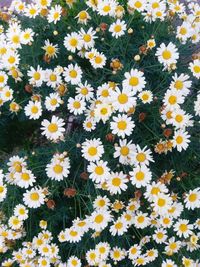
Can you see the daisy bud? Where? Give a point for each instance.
(84, 175)
(137, 57)
(55, 33)
(64, 12)
(103, 26)
(138, 194)
(130, 31)
(110, 137)
(51, 204)
(167, 132)
(46, 59)
(142, 116)
(44, 12)
(183, 174)
(70, 192)
(70, 57)
(14, 107)
(163, 125)
(28, 88)
(36, 98)
(143, 49)
(78, 145)
(62, 89)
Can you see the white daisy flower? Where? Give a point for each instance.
(183, 228)
(99, 220)
(140, 176)
(134, 80)
(33, 110)
(167, 55)
(92, 150)
(142, 156)
(192, 199)
(54, 14)
(116, 182)
(119, 227)
(73, 74)
(34, 198)
(118, 28)
(102, 112)
(76, 105)
(162, 203)
(58, 169)
(21, 212)
(73, 42)
(99, 171)
(37, 76)
(141, 220)
(53, 78)
(181, 84)
(87, 38)
(53, 101)
(181, 140)
(25, 178)
(84, 91)
(53, 129)
(146, 96)
(195, 68)
(122, 100)
(122, 125)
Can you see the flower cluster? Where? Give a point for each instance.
(110, 176)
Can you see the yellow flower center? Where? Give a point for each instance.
(34, 109)
(104, 111)
(118, 28)
(161, 202)
(138, 4)
(53, 127)
(11, 60)
(178, 85)
(76, 104)
(140, 219)
(25, 176)
(124, 151)
(73, 73)
(99, 218)
(179, 139)
(134, 81)
(73, 42)
(116, 181)
(123, 98)
(183, 31)
(99, 170)
(87, 38)
(140, 176)
(197, 69)
(192, 197)
(179, 118)
(183, 227)
(172, 99)
(54, 101)
(84, 91)
(166, 54)
(122, 125)
(92, 151)
(34, 196)
(36, 76)
(141, 157)
(58, 169)
(118, 225)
